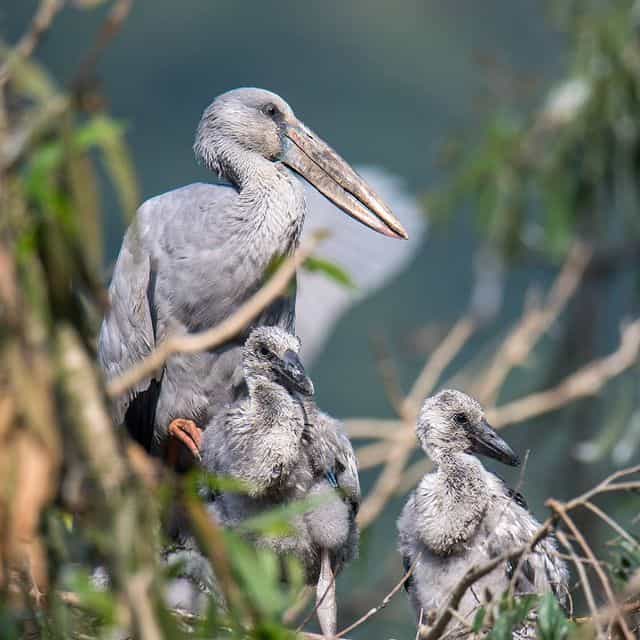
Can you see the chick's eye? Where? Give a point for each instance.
(460, 418)
(270, 110)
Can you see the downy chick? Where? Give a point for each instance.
(461, 515)
(284, 448)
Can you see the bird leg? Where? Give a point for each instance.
(186, 432)
(326, 608)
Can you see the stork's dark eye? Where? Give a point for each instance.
(270, 110)
(461, 418)
(264, 351)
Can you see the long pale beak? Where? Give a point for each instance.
(487, 442)
(323, 168)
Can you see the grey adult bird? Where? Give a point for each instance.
(283, 448)
(461, 515)
(192, 256)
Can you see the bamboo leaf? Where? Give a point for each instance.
(331, 270)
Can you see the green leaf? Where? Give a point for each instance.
(478, 619)
(108, 135)
(331, 270)
(552, 623)
(512, 614)
(260, 574)
(277, 522)
(199, 480)
(95, 601)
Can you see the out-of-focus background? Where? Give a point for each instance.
(444, 97)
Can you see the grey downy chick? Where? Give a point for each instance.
(283, 448)
(461, 515)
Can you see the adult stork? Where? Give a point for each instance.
(192, 256)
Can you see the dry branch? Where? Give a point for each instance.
(448, 349)
(364, 428)
(385, 601)
(396, 460)
(109, 29)
(227, 329)
(385, 485)
(40, 23)
(562, 512)
(534, 323)
(585, 382)
(586, 586)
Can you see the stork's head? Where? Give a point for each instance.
(451, 422)
(270, 355)
(244, 124)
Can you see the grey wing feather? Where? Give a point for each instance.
(182, 268)
(370, 260)
(542, 570)
(127, 332)
(330, 449)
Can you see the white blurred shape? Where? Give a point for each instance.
(370, 260)
(565, 102)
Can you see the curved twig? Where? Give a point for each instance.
(227, 329)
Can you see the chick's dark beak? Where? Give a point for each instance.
(293, 371)
(485, 441)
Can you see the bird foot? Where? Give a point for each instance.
(188, 433)
(326, 607)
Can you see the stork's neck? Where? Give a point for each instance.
(271, 198)
(452, 501)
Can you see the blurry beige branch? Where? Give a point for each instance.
(110, 27)
(393, 441)
(40, 23)
(536, 321)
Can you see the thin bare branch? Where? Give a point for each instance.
(385, 601)
(610, 521)
(40, 23)
(365, 428)
(372, 455)
(110, 28)
(388, 373)
(533, 324)
(562, 512)
(386, 484)
(447, 350)
(585, 382)
(608, 484)
(582, 574)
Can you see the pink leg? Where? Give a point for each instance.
(186, 432)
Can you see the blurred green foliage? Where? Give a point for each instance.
(330, 270)
(571, 168)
